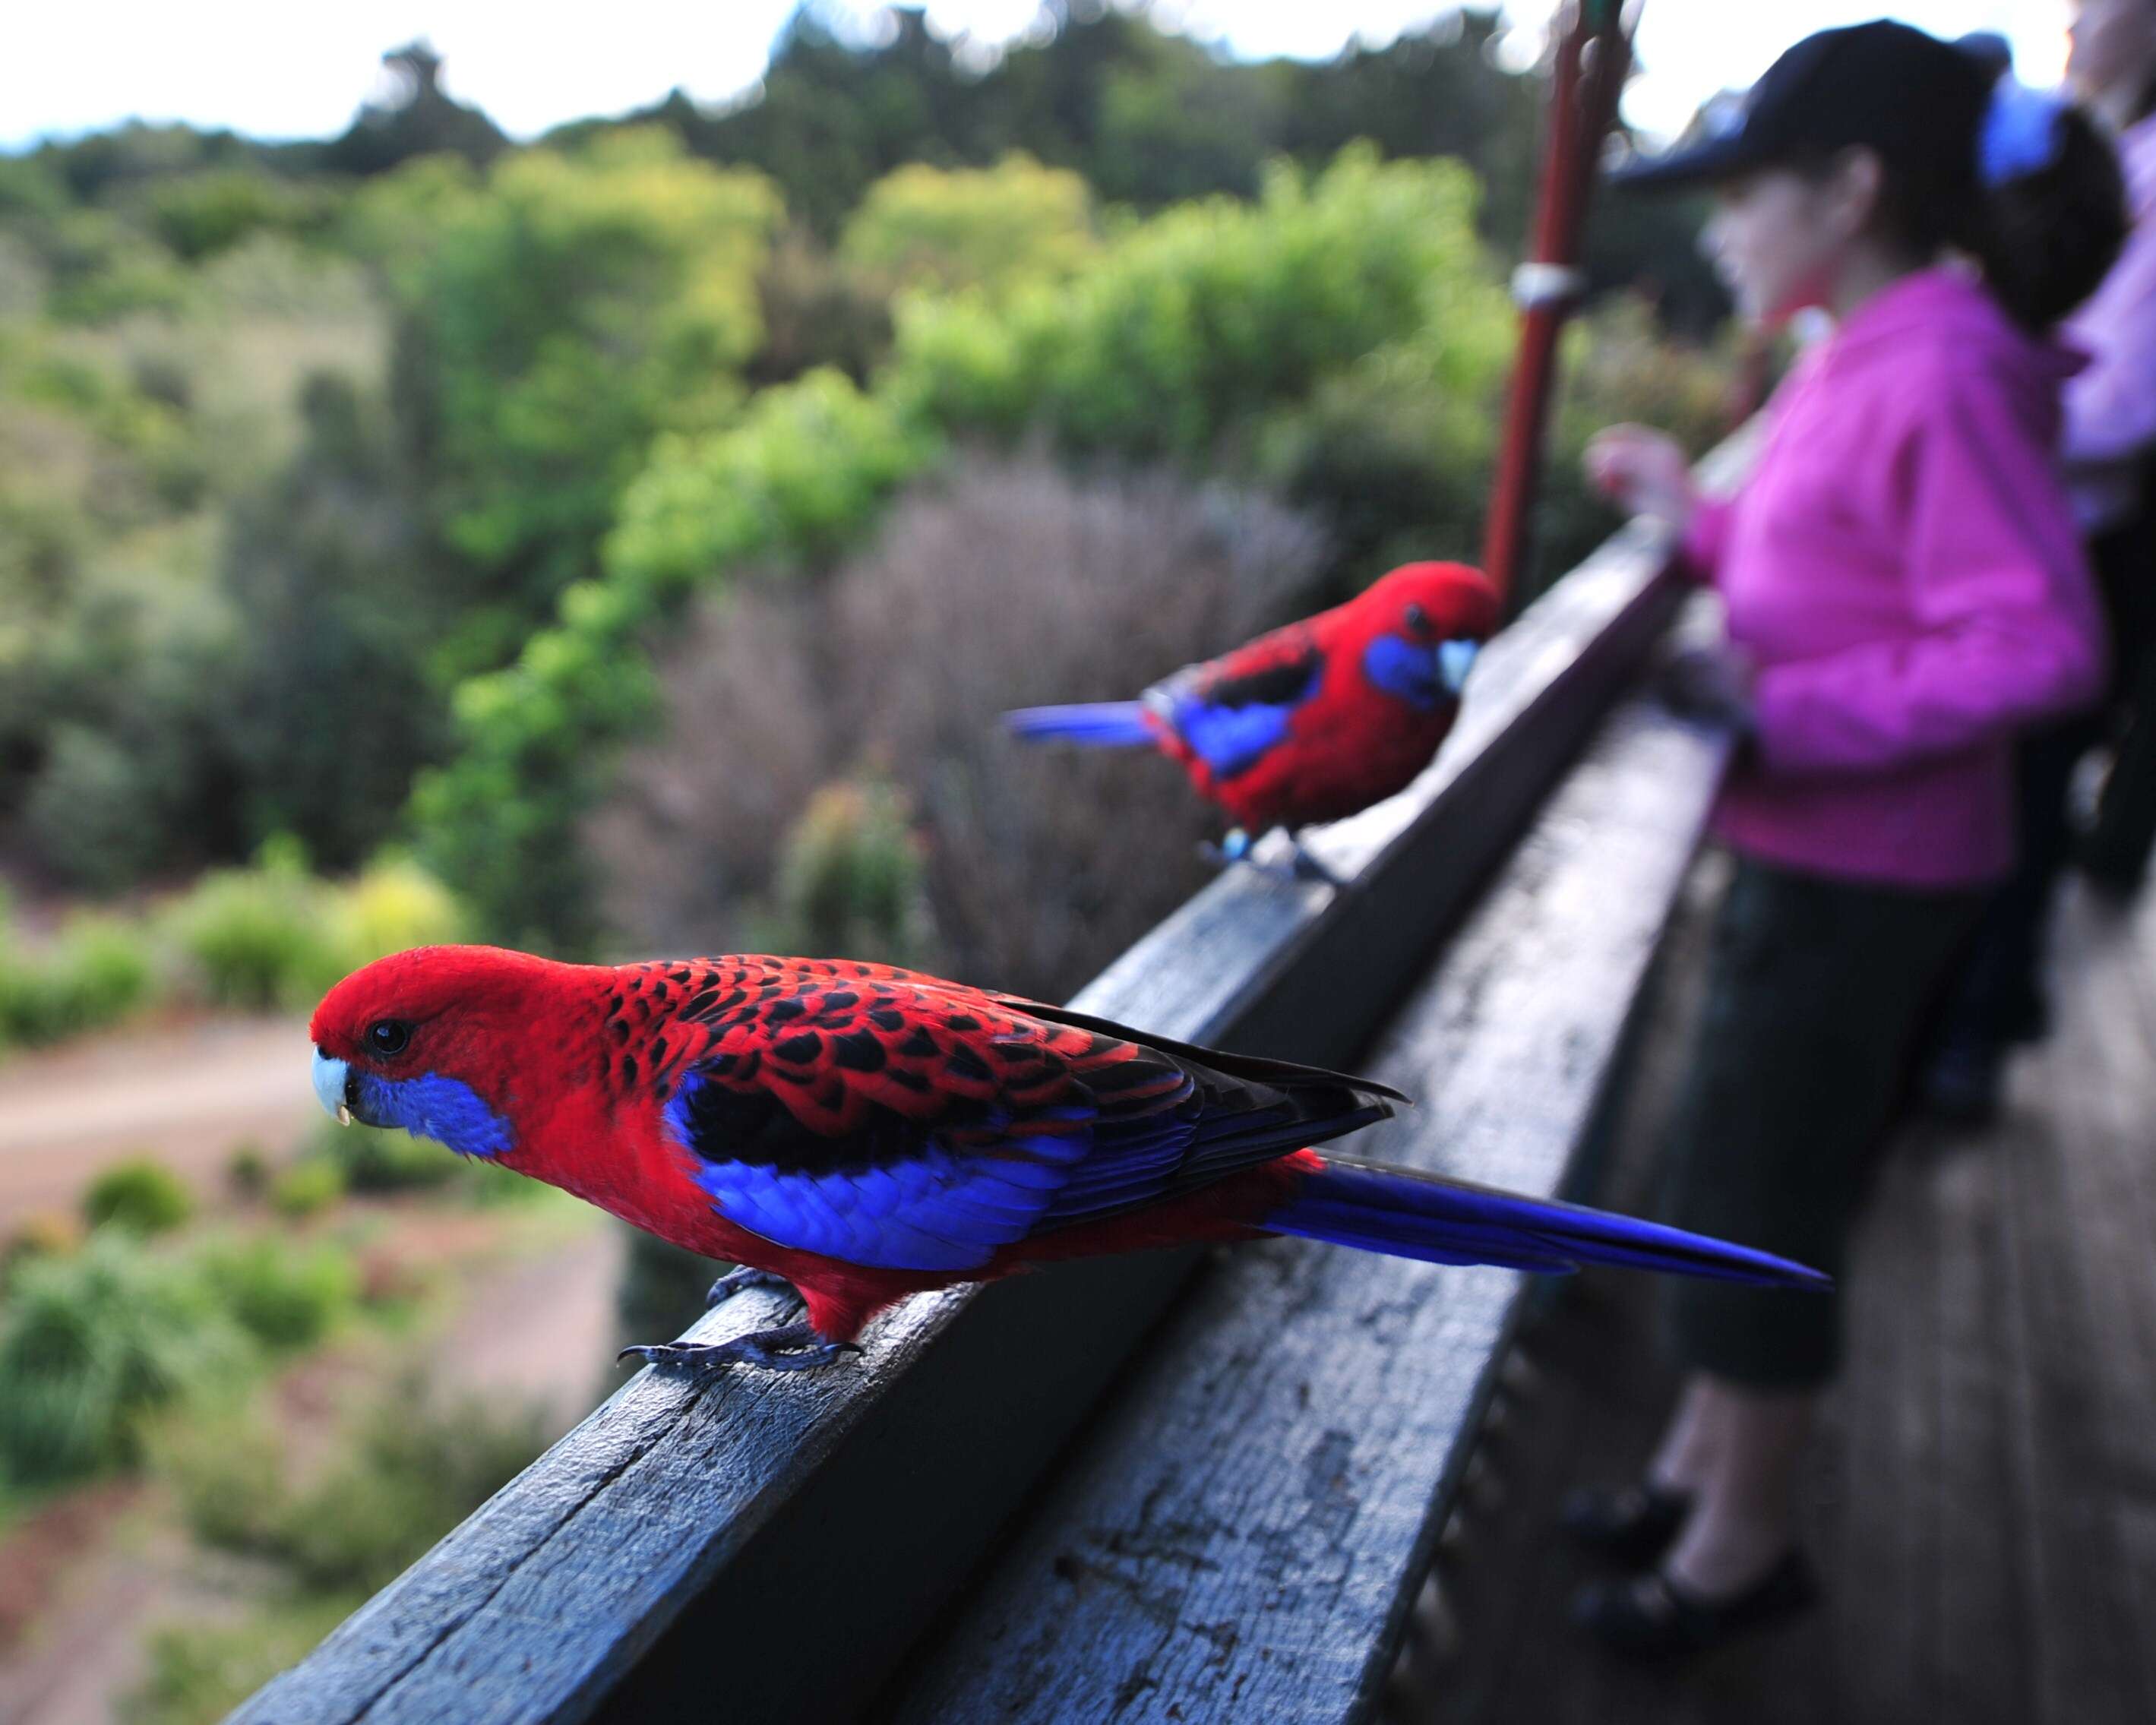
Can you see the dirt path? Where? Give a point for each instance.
(186, 1095)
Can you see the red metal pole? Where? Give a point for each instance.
(1592, 55)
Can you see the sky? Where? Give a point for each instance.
(276, 69)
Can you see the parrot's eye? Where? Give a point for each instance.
(388, 1036)
(1418, 619)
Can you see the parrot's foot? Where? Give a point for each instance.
(1234, 847)
(796, 1348)
(740, 1279)
(1300, 867)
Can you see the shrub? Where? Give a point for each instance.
(42, 1234)
(96, 974)
(991, 228)
(415, 1472)
(311, 1184)
(257, 938)
(142, 1195)
(393, 904)
(285, 1296)
(371, 1159)
(850, 878)
(247, 1170)
(1018, 583)
(91, 1343)
(199, 1671)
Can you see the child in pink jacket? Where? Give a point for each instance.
(1904, 588)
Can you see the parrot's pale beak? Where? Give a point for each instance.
(332, 1081)
(1455, 659)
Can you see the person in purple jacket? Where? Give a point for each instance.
(2108, 443)
(1904, 589)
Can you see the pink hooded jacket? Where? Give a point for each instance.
(1904, 573)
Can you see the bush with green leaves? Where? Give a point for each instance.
(993, 228)
(553, 318)
(97, 972)
(850, 877)
(381, 1159)
(287, 1295)
(308, 1186)
(142, 1195)
(275, 936)
(91, 1343)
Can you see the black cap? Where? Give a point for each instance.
(1919, 101)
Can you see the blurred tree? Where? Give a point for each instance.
(419, 118)
(553, 320)
(992, 229)
(330, 710)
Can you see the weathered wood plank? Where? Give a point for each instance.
(1241, 1533)
(694, 1527)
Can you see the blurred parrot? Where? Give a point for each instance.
(865, 1133)
(1314, 721)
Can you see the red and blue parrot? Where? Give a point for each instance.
(1316, 720)
(865, 1133)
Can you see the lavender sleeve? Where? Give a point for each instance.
(2111, 406)
(2007, 630)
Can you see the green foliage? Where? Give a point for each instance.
(1189, 328)
(256, 937)
(991, 228)
(372, 1159)
(849, 877)
(142, 1195)
(285, 1295)
(91, 1343)
(273, 935)
(202, 213)
(200, 1671)
(413, 1470)
(576, 305)
(96, 974)
(801, 473)
(1212, 314)
(307, 1188)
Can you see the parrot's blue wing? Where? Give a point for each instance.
(919, 1132)
(1232, 722)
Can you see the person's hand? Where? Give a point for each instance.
(1642, 472)
(1712, 684)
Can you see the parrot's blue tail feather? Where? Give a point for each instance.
(1413, 1216)
(1097, 724)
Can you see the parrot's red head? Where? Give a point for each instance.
(1417, 628)
(423, 1040)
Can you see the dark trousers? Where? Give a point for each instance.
(1998, 997)
(1817, 994)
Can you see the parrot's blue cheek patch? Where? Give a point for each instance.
(447, 1110)
(1403, 669)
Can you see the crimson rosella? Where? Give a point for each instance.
(1316, 720)
(865, 1133)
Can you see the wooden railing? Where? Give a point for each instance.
(1136, 1487)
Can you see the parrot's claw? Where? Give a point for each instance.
(1299, 867)
(796, 1348)
(1234, 847)
(740, 1279)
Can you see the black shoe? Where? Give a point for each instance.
(1630, 1525)
(1650, 1617)
(1962, 1085)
